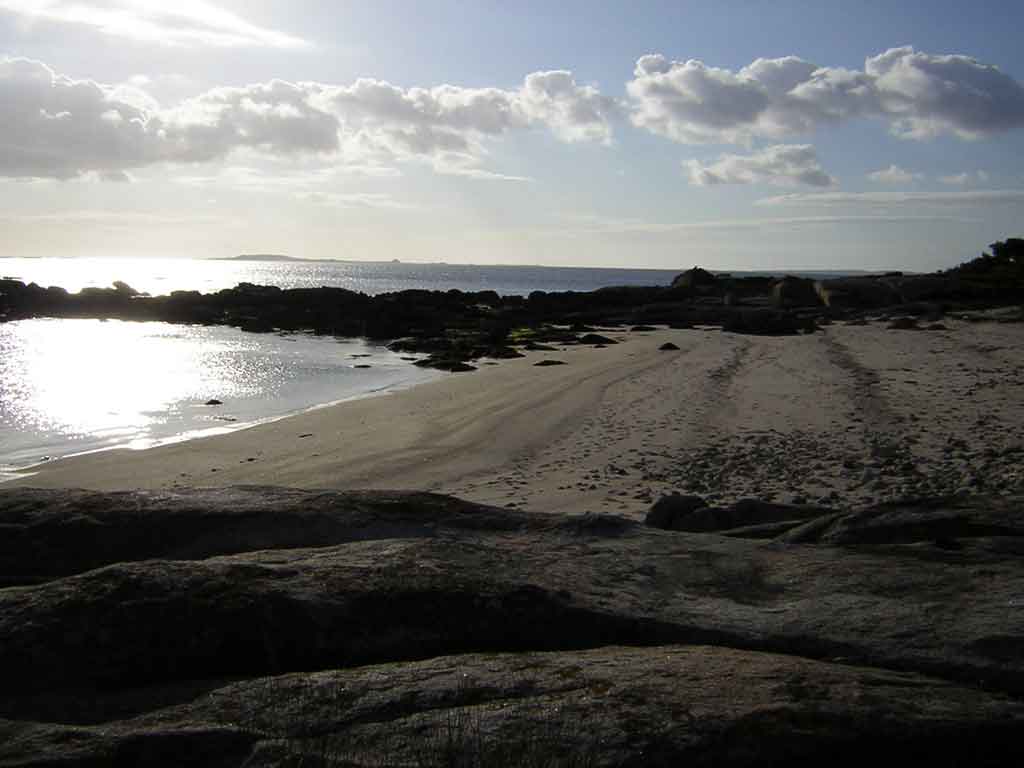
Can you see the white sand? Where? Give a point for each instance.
(862, 412)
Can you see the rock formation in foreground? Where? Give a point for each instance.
(275, 627)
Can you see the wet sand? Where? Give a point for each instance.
(851, 414)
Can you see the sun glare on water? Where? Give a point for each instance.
(68, 377)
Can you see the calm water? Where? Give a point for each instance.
(68, 386)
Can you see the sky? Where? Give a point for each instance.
(731, 134)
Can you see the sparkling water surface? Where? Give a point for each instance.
(69, 386)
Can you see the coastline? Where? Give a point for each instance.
(895, 413)
(9, 473)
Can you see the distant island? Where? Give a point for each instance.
(259, 257)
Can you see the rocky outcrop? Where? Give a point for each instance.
(791, 292)
(857, 292)
(752, 518)
(616, 706)
(236, 626)
(695, 279)
(669, 511)
(275, 627)
(767, 322)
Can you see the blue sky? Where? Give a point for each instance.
(323, 130)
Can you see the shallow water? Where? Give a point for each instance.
(70, 386)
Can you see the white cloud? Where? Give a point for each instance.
(888, 199)
(58, 127)
(781, 165)
(963, 179)
(920, 94)
(572, 112)
(894, 175)
(178, 23)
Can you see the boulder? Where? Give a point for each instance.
(694, 278)
(793, 292)
(548, 363)
(667, 511)
(857, 293)
(596, 338)
(668, 346)
(445, 362)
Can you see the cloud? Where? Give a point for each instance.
(178, 23)
(57, 127)
(962, 179)
(894, 175)
(889, 199)
(117, 219)
(781, 165)
(919, 94)
(576, 225)
(357, 200)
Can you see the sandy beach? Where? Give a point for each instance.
(850, 414)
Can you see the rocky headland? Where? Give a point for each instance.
(263, 626)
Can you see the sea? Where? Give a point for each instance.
(77, 386)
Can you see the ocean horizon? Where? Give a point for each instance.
(157, 276)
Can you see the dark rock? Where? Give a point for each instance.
(596, 338)
(362, 365)
(793, 292)
(744, 514)
(857, 293)
(668, 706)
(548, 363)
(669, 510)
(767, 322)
(668, 346)
(907, 523)
(695, 278)
(445, 363)
(904, 324)
(159, 629)
(504, 353)
(213, 401)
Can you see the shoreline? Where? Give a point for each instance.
(11, 472)
(895, 413)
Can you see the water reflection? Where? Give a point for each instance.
(72, 385)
